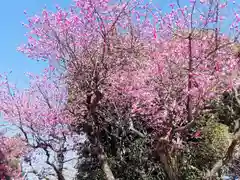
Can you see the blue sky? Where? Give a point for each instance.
(12, 35)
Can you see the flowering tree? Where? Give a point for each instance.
(84, 42)
(165, 67)
(11, 150)
(41, 120)
(190, 65)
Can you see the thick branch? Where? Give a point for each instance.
(59, 173)
(131, 127)
(106, 168)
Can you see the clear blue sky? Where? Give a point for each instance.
(12, 35)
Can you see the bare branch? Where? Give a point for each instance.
(131, 127)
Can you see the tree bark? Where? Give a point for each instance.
(168, 166)
(166, 158)
(106, 168)
(60, 176)
(60, 158)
